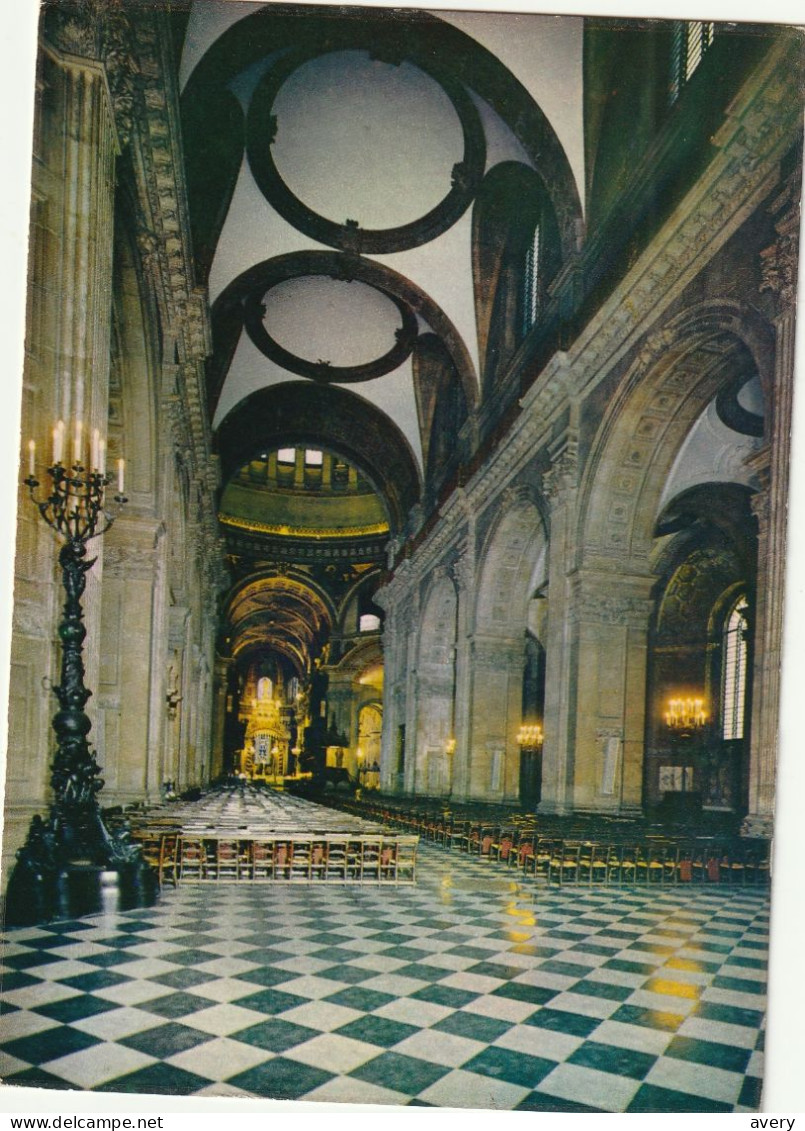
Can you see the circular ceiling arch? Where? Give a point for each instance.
(302, 413)
(465, 176)
(254, 320)
(240, 305)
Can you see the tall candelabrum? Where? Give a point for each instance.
(74, 835)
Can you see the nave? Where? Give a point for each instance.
(472, 988)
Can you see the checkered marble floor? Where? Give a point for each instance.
(471, 989)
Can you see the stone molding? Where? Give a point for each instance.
(779, 262)
(605, 599)
(561, 480)
(489, 653)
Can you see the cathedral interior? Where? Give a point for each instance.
(444, 363)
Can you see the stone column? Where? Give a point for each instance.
(82, 218)
(463, 571)
(66, 372)
(218, 722)
(560, 487)
(174, 762)
(494, 762)
(399, 642)
(129, 732)
(435, 697)
(770, 506)
(609, 618)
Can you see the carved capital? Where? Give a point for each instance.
(560, 481)
(778, 262)
(462, 569)
(760, 505)
(75, 28)
(122, 70)
(778, 268)
(597, 601)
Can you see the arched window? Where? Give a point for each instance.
(265, 688)
(691, 39)
(532, 282)
(734, 671)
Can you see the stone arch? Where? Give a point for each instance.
(676, 374)
(509, 561)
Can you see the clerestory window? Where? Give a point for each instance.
(531, 282)
(691, 41)
(734, 671)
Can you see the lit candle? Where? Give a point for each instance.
(95, 442)
(58, 442)
(77, 442)
(31, 457)
(120, 466)
(102, 457)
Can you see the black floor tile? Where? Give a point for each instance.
(513, 1067)
(275, 1035)
(651, 1018)
(751, 1092)
(161, 1079)
(281, 1079)
(444, 995)
(541, 1101)
(37, 1078)
(100, 980)
(563, 1021)
(407, 1074)
(271, 1001)
(166, 1040)
(39, 1048)
(183, 979)
(377, 1030)
(176, 1005)
(649, 1097)
(716, 1055)
(76, 1008)
(608, 1058)
(472, 1025)
(357, 997)
(522, 991)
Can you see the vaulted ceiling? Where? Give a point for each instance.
(333, 160)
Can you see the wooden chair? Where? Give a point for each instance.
(169, 859)
(405, 859)
(192, 858)
(335, 864)
(261, 864)
(371, 850)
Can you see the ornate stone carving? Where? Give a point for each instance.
(779, 262)
(563, 475)
(595, 602)
(462, 568)
(121, 69)
(75, 28)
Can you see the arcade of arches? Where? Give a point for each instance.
(451, 358)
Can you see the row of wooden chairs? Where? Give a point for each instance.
(563, 862)
(335, 858)
(607, 859)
